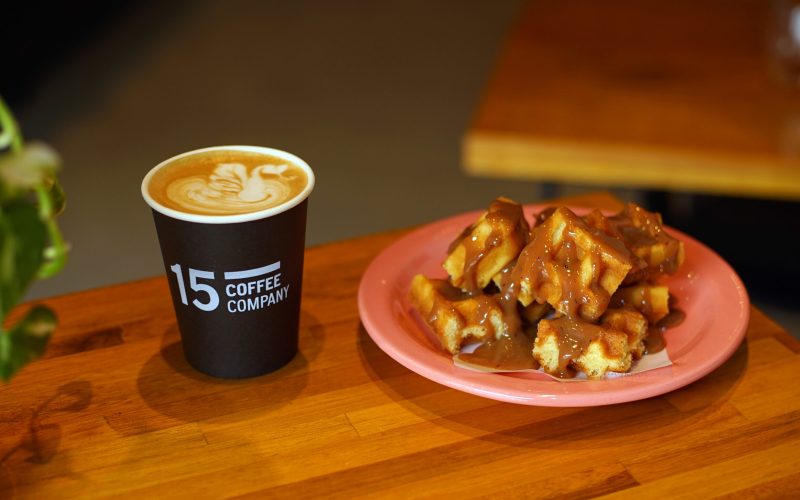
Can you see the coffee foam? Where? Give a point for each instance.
(226, 183)
(231, 189)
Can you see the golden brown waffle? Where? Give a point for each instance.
(486, 247)
(570, 267)
(650, 300)
(642, 232)
(455, 317)
(632, 323)
(565, 345)
(595, 274)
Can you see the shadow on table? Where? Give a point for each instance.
(173, 395)
(171, 387)
(39, 443)
(482, 419)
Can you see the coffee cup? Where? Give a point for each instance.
(231, 224)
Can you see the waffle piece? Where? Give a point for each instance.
(632, 323)
(455, 317)
(642, 232)
(599, 223)
(565, 345)
(570, 266)
(650, 300)
(488, 246)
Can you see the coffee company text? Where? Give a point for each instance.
(242, 291)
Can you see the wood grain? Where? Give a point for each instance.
(668, 95)
(114, 410)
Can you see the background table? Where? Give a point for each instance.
(113, 409)
(662, 95)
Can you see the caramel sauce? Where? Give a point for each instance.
(512, 351)
(449, 292)
(642, 302)
(502, 213)
(460, 238)
(512, 348)
(538, 259)
(654, 342)
(573, 338)
(509, 349)
(641, 230)
(544, 215)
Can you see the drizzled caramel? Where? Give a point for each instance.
(573, 338)
(506, 346)
(573, 263)
(510, 351)
(557, 268)
(451, 295)
(502, 214)
(643, 233)
(654, 342)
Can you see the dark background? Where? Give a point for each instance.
(374, 95)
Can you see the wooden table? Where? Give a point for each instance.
(671, 95)
(113, 410)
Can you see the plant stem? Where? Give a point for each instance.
(55, 256)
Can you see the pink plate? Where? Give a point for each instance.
(708, 291)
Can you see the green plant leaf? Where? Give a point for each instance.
(22, 240)
(26, 340)
(35, 164)
(31, 245)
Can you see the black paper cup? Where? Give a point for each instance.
(235, 280)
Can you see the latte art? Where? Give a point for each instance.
(226, 183)
(232, 189)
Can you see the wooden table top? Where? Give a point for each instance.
(672, 95)
(114, 410)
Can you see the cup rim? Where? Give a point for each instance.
(233, 218)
